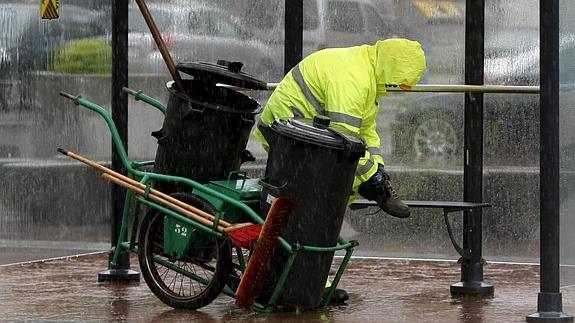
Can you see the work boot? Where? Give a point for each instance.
(392, 204)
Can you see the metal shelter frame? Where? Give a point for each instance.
(549, 305)
(122, 271)
(549, 301)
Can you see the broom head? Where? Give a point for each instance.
(258, 266)
(244, 235)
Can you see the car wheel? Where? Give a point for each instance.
(435, 141)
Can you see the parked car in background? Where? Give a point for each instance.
(326, 23)
(27, 42)
(28, 45)
(198, 32)
(429, 127)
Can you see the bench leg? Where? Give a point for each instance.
(471, 283)
(472, 262)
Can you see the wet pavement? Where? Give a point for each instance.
(381, 290)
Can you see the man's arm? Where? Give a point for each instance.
(368, 132)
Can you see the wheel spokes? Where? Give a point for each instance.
(191, 280)
(175, 274)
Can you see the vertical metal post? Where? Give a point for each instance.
(472, 268)
(293, 44)
(549, 302)
(121, 271)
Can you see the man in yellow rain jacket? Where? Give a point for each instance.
(345, 84)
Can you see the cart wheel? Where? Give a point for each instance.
(193, 281)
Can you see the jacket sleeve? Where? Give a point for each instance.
(368, 132)
(348, 99)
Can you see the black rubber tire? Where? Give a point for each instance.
(171, 287)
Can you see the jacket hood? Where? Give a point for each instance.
(398, 61)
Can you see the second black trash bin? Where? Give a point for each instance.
(206, 130)
(313, 163)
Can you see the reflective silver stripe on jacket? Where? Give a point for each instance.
(306, 91)
(362, 170)
(334, 116)
(344, 118)
(373, 151)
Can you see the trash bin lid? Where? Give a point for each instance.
(319, 131)
(224, 72)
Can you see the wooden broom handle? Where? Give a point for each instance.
(161, 201)
(142, 186)
(161, 45)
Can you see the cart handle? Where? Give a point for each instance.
(78, 100)
(140, 96)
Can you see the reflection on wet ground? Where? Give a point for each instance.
(381, 290)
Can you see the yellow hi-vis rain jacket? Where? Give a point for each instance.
(345, 84)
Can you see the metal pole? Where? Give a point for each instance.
(445, 88)
(549, 302)
(457, 88)
(121, 271)
(293, 34)
(472, 267)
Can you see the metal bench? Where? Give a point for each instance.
(471, 261)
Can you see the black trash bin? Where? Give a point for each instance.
(206, 130)
(313, 163)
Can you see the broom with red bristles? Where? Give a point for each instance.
(257, 269)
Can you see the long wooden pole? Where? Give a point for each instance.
(142, 186)
(161, 45)
(160, 200)
(182, 208)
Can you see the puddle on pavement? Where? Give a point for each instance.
(380, 291)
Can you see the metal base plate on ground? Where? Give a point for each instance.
(471, 289)
(118, 275)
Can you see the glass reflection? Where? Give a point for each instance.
(422, 133)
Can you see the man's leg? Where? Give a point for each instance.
(379, 188)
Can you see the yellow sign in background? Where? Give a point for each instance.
(50, 9)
